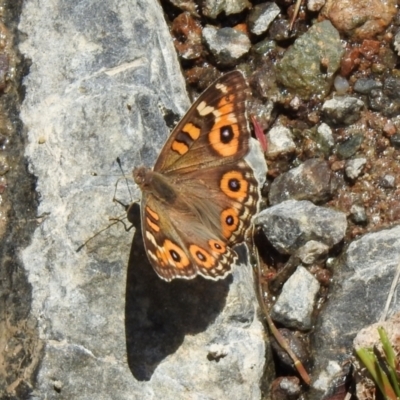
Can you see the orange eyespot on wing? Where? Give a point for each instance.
(229, 221)
(224, 135)
(214, 262)
(202, 257)
(217, 246)
(174, 255)
(234, 185)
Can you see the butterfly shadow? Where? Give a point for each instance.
(159, 314)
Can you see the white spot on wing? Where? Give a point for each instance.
(203, 109)
(232, 118)
(217, 115)
(152, 255)
(222, 88)
(151, 238)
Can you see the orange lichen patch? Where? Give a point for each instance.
(202, 257)
(176, 256)
(152, 213)
(152, 225)
(217, 246)
(192, 130)
(229, 221)
(179, 147)
(234, 185)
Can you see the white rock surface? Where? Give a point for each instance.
(101, 74)
(296, 303)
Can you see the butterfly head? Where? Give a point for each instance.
(142, 177)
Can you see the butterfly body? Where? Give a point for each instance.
(200, 197)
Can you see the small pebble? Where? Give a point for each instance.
(358, 214)
(354, 167)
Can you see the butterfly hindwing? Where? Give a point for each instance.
(178, 250)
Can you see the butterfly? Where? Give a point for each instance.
(199, 199)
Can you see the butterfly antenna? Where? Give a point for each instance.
(124, 177)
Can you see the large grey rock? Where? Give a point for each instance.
(291, 224)
(313, 180)
(309, 65)
(101, 74)
(362, 281)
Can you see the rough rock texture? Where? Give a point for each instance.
(295, 304)
(227, 45)
(101, 74)
(291, 224)
(360, 18)
(313, 180)
(342, 110)
(280, 141)
(358, 297)
(212, 8)
(261, 17)
(308, 67)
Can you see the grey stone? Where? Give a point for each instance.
(358, 214)
(353, 168)
(350, 146)
(186, 5)
(296, 302)
(212, 8)
(313, 180)
(342, 110)
(325, 134)
(227, 45)
(312, 252)
(361, 282)
(291, 224)
(261, 17)
(102, 74)
(365, 85)
(309, 65)
(395, 140)
(396, 42)
(315, 5)
(280, 142)
(388, 181)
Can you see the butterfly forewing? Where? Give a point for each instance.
(214, 130)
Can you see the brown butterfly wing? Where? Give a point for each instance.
(214, 131)
(226, 198)
(202, 200)
(178, 245)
